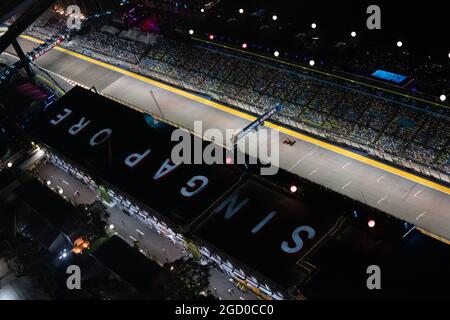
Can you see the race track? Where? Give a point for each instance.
(401, 194)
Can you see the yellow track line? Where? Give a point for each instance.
(243, 115)
(432, 235)
(50, 84)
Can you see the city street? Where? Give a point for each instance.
(131, 229)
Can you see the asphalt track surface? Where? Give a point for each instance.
(404, 195)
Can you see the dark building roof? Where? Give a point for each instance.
(48, 205)
(130, 265)
(6, 177)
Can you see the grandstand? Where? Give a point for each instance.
(396, 129)
(181, 6)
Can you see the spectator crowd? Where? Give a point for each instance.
(350, 113)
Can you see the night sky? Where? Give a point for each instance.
(423, 27)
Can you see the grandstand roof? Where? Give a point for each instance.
(241, 237)
(130, 134)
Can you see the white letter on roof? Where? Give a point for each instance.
(76, 128)
(133, 159)
(61, 117)
(167, 167)
(193, 184)
(105, 132)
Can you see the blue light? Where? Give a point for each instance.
(389, 76)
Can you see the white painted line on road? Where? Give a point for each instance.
(421, 215)
(314, 171)
(346, 165)
(132, 238)
(382, 199)
(417, 193)
(64, 181)
(241, 298)
(380, 178)
(140, 232)
(409, 231)
(346, 185)
(304, 157)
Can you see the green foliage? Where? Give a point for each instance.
(104, 194)
(192, 279)
(194, 250)
(92, 221)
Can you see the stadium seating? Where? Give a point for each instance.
(401, 128)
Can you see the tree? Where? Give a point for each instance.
(36, 265)
(104, 194)
(192, 279)
(91, 221)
